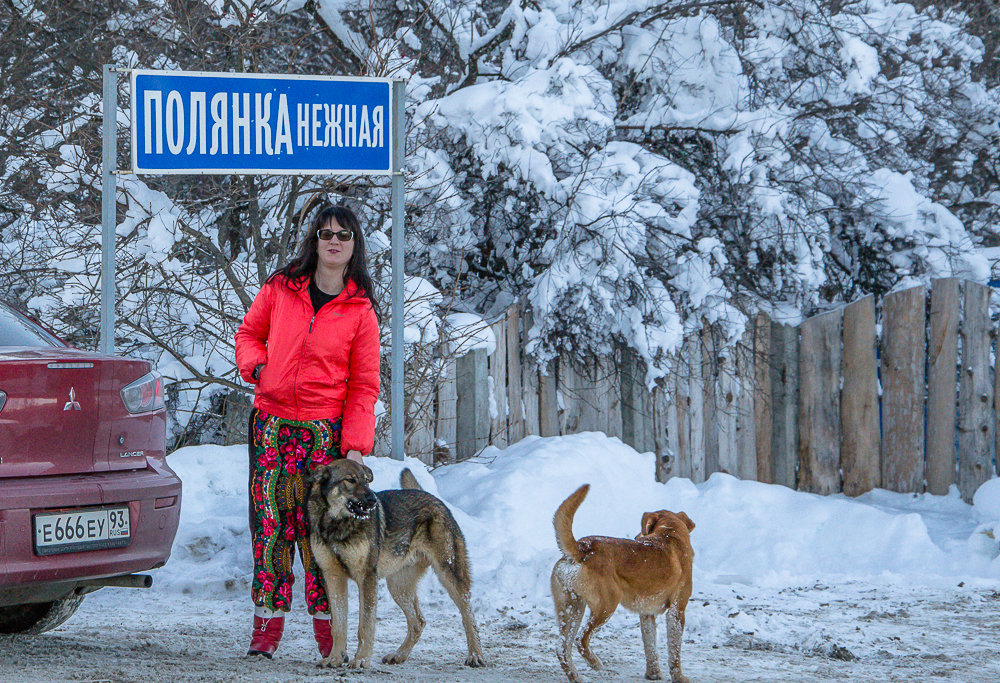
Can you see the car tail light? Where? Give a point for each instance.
(3, 399)
(144, 394)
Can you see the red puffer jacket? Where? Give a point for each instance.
(320, 366)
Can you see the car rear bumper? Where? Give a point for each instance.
(28, 577)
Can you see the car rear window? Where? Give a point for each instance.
(17, 330)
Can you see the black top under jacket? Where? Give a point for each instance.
(318, 296)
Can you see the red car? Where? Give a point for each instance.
(86, 496)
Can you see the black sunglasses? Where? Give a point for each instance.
(344, 235)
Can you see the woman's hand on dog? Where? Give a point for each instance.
(355, 456)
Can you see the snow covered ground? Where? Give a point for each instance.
(787, 586)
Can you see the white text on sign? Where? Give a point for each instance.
(191, 122)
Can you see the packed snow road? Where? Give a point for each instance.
(821, 633)
(788, 586)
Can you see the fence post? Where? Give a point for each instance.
(497, 363)
(975, 394)
(548, 401)
(681, 390)
(996, 402)
(445, 432)
(530, 389)
(515, 401)
(727, 457)
(763, 403)
(664, 431)
(746, 432)
(820, 355)
(570, 407)
(607, 404)
(420, 424)
(636, 403)
(473, 415)
(903, 358)
(710, 421)
(859, 428)
(580, 396)
(784, 402)
(696, 409)
(941, 385)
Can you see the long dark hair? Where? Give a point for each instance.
(298, 271)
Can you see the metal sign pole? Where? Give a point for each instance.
(108, 212)
(398, 150)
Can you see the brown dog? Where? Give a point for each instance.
(361, 535)
(650, 575)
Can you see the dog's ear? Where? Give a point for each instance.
(648, 522)
(368, 474)
(317, 477)
(686, 520)
(310, 479)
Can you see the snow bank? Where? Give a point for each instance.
(986, 501)
(985, 539)
(747, 532)
(212, 546)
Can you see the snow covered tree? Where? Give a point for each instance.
(634, 169)
(639, 169)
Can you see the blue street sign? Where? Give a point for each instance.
(195, 122)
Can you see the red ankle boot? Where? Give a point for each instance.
(321, 629)
(266, 634)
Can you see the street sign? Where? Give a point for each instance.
(198, 122)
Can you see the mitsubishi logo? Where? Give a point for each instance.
(72, 404)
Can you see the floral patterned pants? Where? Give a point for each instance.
(282, 454)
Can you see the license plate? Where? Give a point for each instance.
(68, 532)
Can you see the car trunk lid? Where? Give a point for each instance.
(51, 422)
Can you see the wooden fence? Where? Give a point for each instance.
(934, 422)
(829, 405)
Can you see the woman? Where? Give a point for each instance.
(310, 346)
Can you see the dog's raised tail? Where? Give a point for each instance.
(563, 523)
(408, 481)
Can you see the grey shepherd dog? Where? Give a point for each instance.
(361, 535)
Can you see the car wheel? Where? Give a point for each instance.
(37, 617)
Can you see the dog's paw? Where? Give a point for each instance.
(475, 660)
(394, 658)
(654, 675)
(358, 663)
(593, 660)
(332, 661)
(678, 677)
